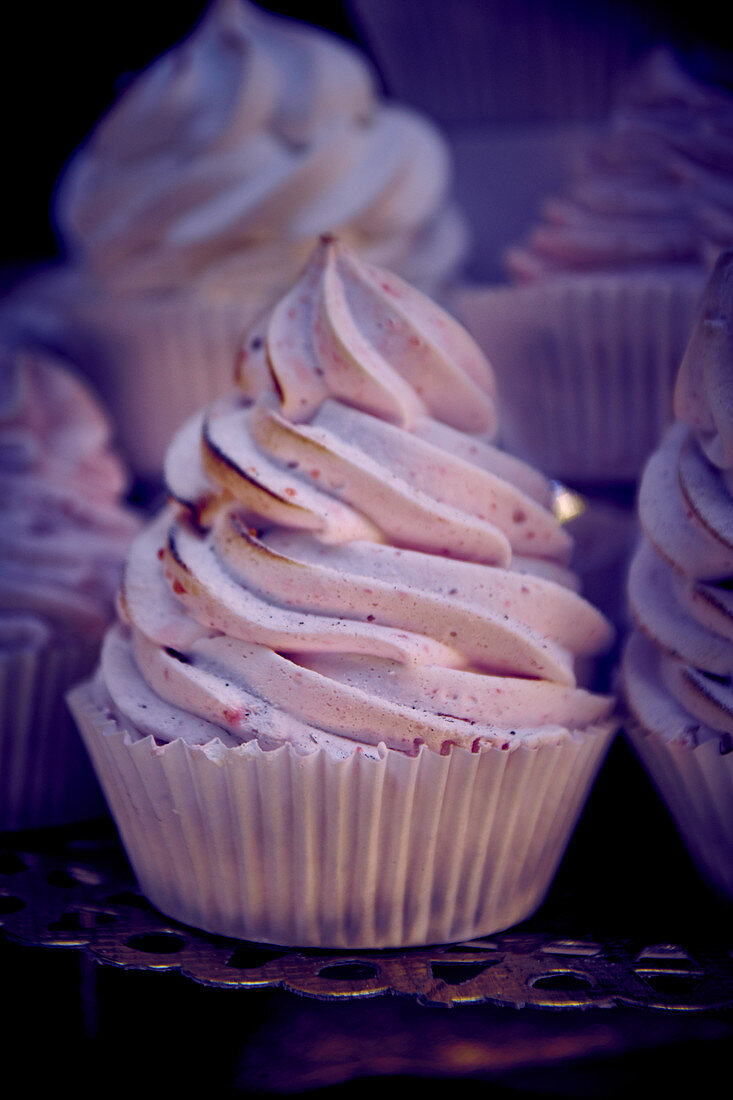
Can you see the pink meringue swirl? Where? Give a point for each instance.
(679, 662)
(655, 189)
(346, 560)
(64, 533)
(223, 162)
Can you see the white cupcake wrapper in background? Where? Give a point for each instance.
(46, 778)
(585, 366)
(357, 853)
(509, 60)
(696, 784)
(154, 364)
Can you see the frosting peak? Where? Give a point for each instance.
(354, 332)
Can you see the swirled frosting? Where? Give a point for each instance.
(221, 164)
(345, 559)
(679, 662)
(64, 532)
(653, 190)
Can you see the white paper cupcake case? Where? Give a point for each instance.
(696, 784)
(514, 60)
(155, 364)
(281, 848)
(45, 775)
(585, 366)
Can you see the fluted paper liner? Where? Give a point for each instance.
(585, 366)
(519, 61)
(45, 775)
(282, 848)
(155, 363)
(696, 783)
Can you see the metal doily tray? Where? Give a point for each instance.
(623, 976)
(74, 889)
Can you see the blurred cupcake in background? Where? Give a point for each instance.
(678, 662)
(518, 87)
(587, 333)
(603, 291)
(584, 366)
(639, 194)
(62, 542)
(196, 199)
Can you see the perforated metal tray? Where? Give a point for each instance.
(74, 889)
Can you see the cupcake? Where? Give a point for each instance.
(641, 194)
(198, 197)
(678, 662)
(587, 336)
(340, 708)
(63, 540)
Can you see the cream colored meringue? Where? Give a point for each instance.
(679, 662)
(221, 163)
(649, 190)
(64, 532)
(346, 560)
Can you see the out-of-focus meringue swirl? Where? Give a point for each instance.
(229, 155)
(655, 189)
(679, 662)
(64, 532)
(346, 559)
